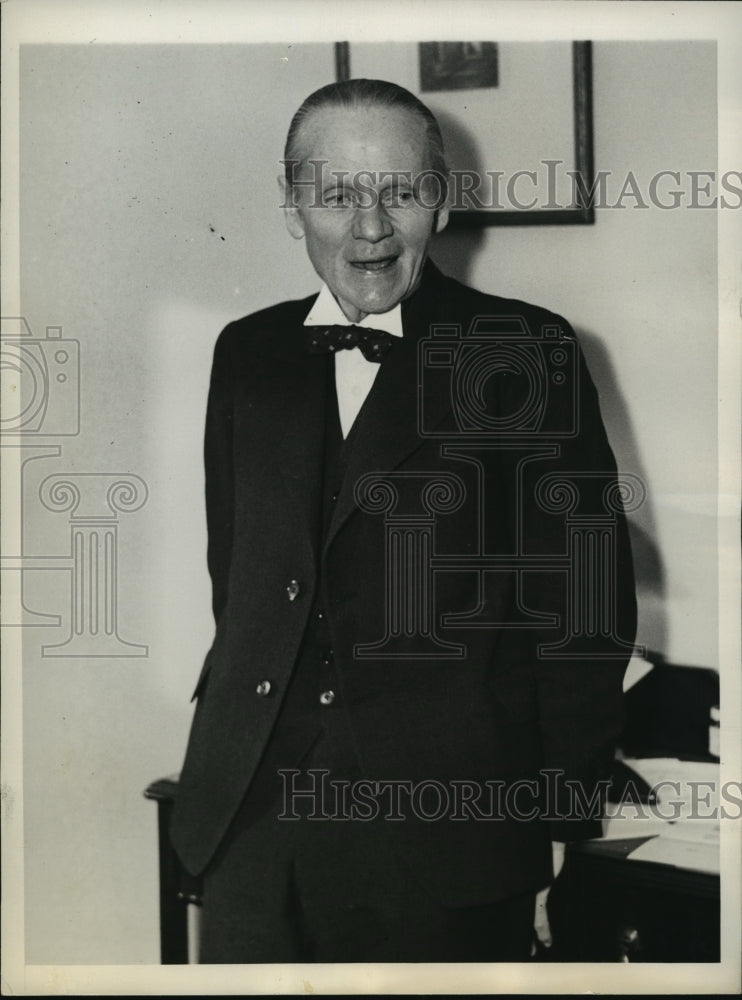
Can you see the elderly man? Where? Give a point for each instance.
(424, 603)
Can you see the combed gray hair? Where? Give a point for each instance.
(363, 93)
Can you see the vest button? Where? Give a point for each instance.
(293, 590)
(263, 689)
(327, 698)
(328, 655)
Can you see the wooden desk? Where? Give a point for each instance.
(607, 908)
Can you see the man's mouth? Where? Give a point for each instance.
(379, 264)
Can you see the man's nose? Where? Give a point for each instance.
(371, 222)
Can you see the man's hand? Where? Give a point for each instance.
(541, 919)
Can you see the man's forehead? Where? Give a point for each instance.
(363, 138)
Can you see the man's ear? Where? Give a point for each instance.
(291, 213)
(441, 217)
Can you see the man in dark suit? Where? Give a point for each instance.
(421, 582)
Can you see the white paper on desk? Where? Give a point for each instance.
(683, 788)
(625, 827)
(625, 820)
(655, 769)
(681, 853)
(697, 831)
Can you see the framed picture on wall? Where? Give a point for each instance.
(457, 65)
(516, 119)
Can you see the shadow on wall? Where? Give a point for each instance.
(456, 249)
(648, 564)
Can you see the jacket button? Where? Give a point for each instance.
(263, 689)
(327, 698)
(293, 590)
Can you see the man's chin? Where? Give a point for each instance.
(381, 302)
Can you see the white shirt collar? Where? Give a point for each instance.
(326, 312)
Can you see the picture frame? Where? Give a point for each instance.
(457, 65)
(581, 211)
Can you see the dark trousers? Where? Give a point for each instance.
(316, 890)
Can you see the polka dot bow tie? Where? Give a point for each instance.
(374, 344)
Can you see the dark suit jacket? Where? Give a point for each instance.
(503, 711)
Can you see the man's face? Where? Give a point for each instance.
(367, 233)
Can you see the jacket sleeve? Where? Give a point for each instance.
(219, 472)
(573, 504)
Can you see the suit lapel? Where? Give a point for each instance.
(291, 423)
(300, 453)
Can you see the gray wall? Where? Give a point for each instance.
(148, 219)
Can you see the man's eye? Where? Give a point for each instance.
(395, 199)
(338, 199)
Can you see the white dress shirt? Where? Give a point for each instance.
(354, 375)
